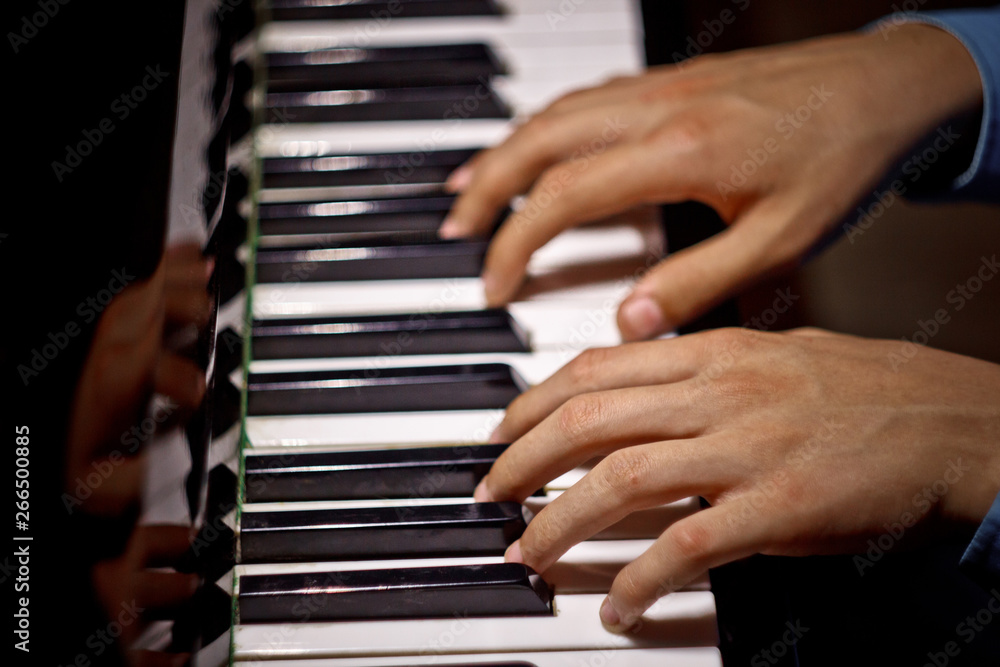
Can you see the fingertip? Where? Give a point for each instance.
(482, 494)
(640, 318)
(492, 288)
(513, 554)
(459, 179)
(450, 229)
(497, 437)
(610, 616)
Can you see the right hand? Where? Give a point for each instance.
(781, 141)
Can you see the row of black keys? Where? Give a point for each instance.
(375, 532)
(409, 531)
(340, 85)
(387, 238)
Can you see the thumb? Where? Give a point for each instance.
(692, 281)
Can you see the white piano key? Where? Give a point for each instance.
(683, 619)
(524, 29)
(403, 428)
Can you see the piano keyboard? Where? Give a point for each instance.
(375, 371)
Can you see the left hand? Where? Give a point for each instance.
(805, 442)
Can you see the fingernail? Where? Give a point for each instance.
(209, 267)
(496, 437)
(643, 316)
(481, 494)
(450, 229)
(609, 615)
(513, 554)
(459, 179)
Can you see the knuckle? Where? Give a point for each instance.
(538, 539)
(553, 180)
(564, 102)
(588, 367)
(629, 585)
(692, 541)
(538, 128)
(626, 472)
(618, 79)
(580, 416)
(732, 337)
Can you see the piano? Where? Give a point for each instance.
(353, 372)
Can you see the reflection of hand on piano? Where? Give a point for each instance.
(133, 594)
(802, 443)
(780, 141)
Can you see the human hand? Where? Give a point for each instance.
(802, 443)
(780, 141)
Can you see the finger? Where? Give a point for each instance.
(610, 92)
(188, 304)
(113, 490)
(181, 379)
(693, 280)
(572, 193)
(601, 369)
(627, 480)
(499, 174)
(186, 265)
(460, 179)
(163, 592)
(589, 425)
(686, 550)
(160, 545)
(607, 94)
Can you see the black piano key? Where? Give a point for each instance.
(415, 472)
(462, 332)
(472, 529)
(377, 215)
(204, 618)
(381, 67)
(386, 104)
(501, 589)
(392, 256)
(379, 10)
(365, 169)
(226, 400)
(460, 387)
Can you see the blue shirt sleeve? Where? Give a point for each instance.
(979, 31)
(982, 558)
